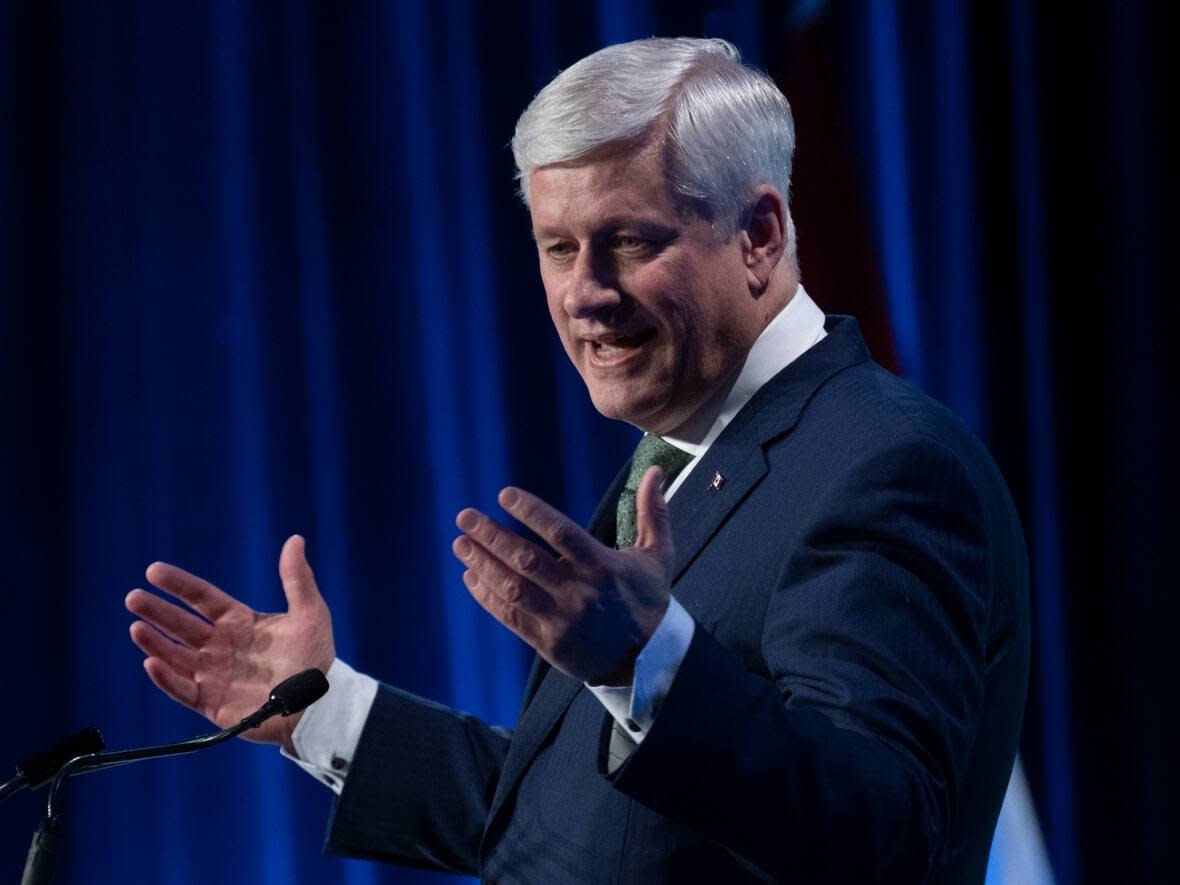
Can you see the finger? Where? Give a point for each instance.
(520, 622)
(155, 644)
(653, 528)
(298, 580)
(197, 592)
(180, 689)
(173, 620)
(511, 587)
(518, 554)
(559, 531)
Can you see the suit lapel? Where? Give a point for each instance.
(730, 469)
(554, 695)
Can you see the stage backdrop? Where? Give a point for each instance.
(263, 272)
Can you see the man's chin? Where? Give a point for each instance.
(648, 414)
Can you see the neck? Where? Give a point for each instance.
(780, 289)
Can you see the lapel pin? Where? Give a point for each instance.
(717, 482)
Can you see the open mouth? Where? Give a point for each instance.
(617, 349)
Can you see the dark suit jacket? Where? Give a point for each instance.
(848, 709)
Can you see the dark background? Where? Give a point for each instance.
(262, 270)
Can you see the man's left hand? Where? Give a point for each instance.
(590, 609)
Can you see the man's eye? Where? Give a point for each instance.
(559, 250)
(629, 244)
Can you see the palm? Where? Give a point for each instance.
(223, 664)
(249, 654)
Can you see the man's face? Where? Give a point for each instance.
(654, 311)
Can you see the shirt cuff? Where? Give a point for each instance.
(327, 735)
(636, 706)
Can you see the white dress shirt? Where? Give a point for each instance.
(330, 729)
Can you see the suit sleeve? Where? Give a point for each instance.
(841, 762)
(420, 786)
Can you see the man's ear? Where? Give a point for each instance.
(764, 237)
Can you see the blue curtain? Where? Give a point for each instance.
(263, 272)
(1014, 161)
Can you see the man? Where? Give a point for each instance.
(793, 645)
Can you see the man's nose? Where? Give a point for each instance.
(592, 288)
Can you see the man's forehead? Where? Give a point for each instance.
(619, 187)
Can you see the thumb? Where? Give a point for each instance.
(298, 581)
(653, 529)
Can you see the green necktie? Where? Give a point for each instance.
(651, 452)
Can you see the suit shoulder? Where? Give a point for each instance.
(864, 420)
(869, 406)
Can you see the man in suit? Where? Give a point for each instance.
(793, 645)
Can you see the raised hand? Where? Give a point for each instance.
(224, 663)
(588, 611)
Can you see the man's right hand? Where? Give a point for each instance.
(224, 667)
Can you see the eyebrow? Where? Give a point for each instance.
(610, 224)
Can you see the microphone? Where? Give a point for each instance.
(291, 696)
(35, 771)
(287, 698)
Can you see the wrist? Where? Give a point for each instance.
(623, 673)
(287, 735)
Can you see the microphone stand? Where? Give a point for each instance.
(43, 851)
(35, 771)
(290, 696)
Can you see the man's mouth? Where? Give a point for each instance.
(615, 349)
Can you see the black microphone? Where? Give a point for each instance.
(292, 695)
(35, 771)
(288, 697)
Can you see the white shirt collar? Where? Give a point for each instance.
(795, 329)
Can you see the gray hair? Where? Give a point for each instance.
(725, 127)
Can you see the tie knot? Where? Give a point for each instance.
(654, 452)
(651, 452)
